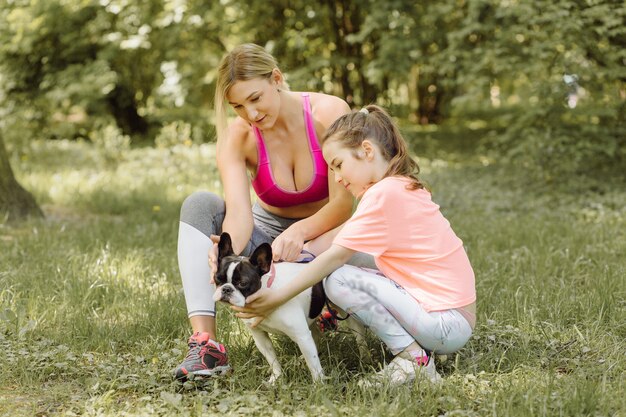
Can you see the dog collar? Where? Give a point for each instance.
(272, 274)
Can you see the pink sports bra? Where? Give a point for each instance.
(265, 186)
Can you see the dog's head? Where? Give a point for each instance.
(238, 277)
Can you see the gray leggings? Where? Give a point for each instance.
(202, 215)
(205, 211)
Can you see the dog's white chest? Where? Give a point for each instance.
(281, 319)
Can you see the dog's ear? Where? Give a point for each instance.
(262, 258)
(224, 248)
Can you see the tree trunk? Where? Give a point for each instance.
(124, 109)
(414, 98)
(15, 201)
(430, 109)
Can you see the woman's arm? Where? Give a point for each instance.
(263, 302)
(231, 163)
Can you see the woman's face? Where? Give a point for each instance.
(257, 101)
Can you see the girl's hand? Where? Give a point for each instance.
(260, 305)
(288, 245)
(213, 257)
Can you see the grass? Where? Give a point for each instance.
(92, 316)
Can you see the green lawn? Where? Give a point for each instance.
(92, 316)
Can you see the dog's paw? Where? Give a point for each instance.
(323, 379)
(273, 379)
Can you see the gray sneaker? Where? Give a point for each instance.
(205, 358)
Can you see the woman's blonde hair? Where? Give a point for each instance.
(245, 62)
(373, 123)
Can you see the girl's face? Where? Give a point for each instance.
(355, 169)
(257, 101)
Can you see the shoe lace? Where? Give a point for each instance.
(195, 350)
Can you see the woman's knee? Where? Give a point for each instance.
(201, 209)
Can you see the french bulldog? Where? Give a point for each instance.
(238, 277)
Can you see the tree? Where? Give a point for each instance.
(15, 201)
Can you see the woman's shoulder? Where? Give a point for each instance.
(238, 131)
(327, 108)
(238, 136)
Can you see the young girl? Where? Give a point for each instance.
(423, 299)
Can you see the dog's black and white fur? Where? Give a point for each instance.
(238, 277)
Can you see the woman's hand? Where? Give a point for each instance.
(260, 305)
(288, 245)
(213, 257)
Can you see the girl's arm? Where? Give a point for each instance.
(264, 301)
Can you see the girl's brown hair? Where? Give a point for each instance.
(373, 123)
(245, 62)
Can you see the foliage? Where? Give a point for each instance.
(111, 144)
(559, 68)
(438, 59)
(68, 69)
(92, 316)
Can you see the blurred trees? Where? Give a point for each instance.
(70, 68)
(558, 70)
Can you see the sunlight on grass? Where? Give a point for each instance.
(142, 179)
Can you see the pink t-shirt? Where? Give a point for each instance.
(412, 243)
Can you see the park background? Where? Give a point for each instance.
(514, 109)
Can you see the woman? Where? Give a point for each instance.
(297, 199)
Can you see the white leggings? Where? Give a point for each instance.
(394, 315)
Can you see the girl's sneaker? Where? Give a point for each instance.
(205, 358)
(401, 371)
